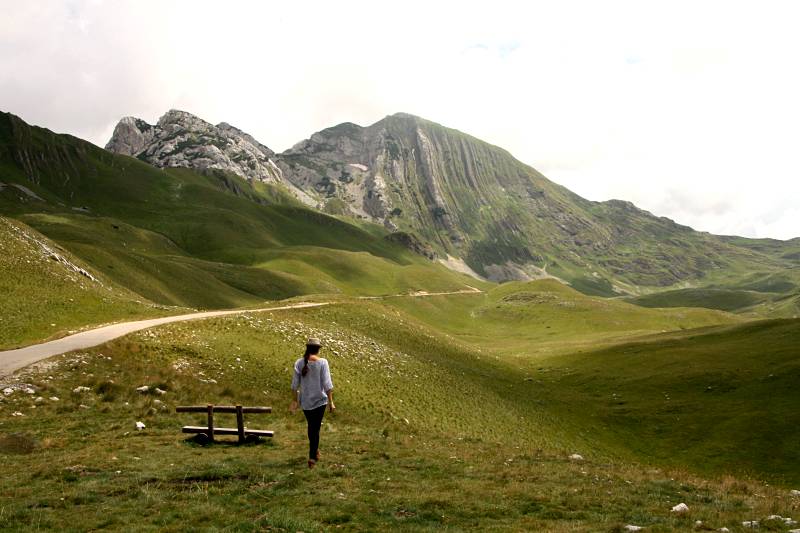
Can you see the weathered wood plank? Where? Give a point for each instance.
(210, 410)
(228, 431)
(240, 422)
(220, 409)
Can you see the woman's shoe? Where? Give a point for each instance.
(312, 463)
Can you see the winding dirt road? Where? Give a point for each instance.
(13, 360)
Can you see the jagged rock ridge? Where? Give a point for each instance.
(180, 139)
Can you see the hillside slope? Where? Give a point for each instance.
(47, 292)
(488, 438)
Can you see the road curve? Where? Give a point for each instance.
(11, 360)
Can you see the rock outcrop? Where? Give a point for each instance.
(180, 139)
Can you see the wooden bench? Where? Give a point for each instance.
(209, 431)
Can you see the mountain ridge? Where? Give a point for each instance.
(465, 200)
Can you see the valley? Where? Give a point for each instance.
(652, 365)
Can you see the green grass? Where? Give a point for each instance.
(415, 410)
(546, 317)
(721, 399)
(722, 299)
(43, 297)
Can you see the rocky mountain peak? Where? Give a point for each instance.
(181, 139)
(182, 120)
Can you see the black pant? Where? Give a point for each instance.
(314, 419)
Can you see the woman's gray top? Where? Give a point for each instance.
(314, 385)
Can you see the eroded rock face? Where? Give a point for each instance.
(180, 139)
(131, 136)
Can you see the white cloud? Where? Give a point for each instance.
(688, 109)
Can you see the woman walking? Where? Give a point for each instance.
(312, 379)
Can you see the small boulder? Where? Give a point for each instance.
(54, 398)
(793, 492)
(8, 391)
(142, 389)
(576, 457)
(750, 524)
(159, 391)
(680, 508)
(78, 390)
(140, 426)
(631, 527)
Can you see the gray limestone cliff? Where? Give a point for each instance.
(180, 139)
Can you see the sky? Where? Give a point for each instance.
(690, 110)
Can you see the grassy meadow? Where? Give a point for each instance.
(44, 295)
(487, 432)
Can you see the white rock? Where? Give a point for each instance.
(78, 390)
(8, 390)
(751, 524)
(39, 399)
(140, 426)
(17, 413)
(28, 390)
(698, 523)
(157, 402)
(774, 517)
(724, 530)
(794, 531)
(159, 391)
(680, 508)
(576, 457)
(143, 388)
(54, 398)
(631, 527)
(789, 522)
(794, 492)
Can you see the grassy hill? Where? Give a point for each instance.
(545, 317)
(767, 296)
(488, 436)
(47, 292)
(720, 399)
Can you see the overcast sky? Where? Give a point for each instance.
(690, 110)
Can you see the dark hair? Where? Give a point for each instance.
(310, 350)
